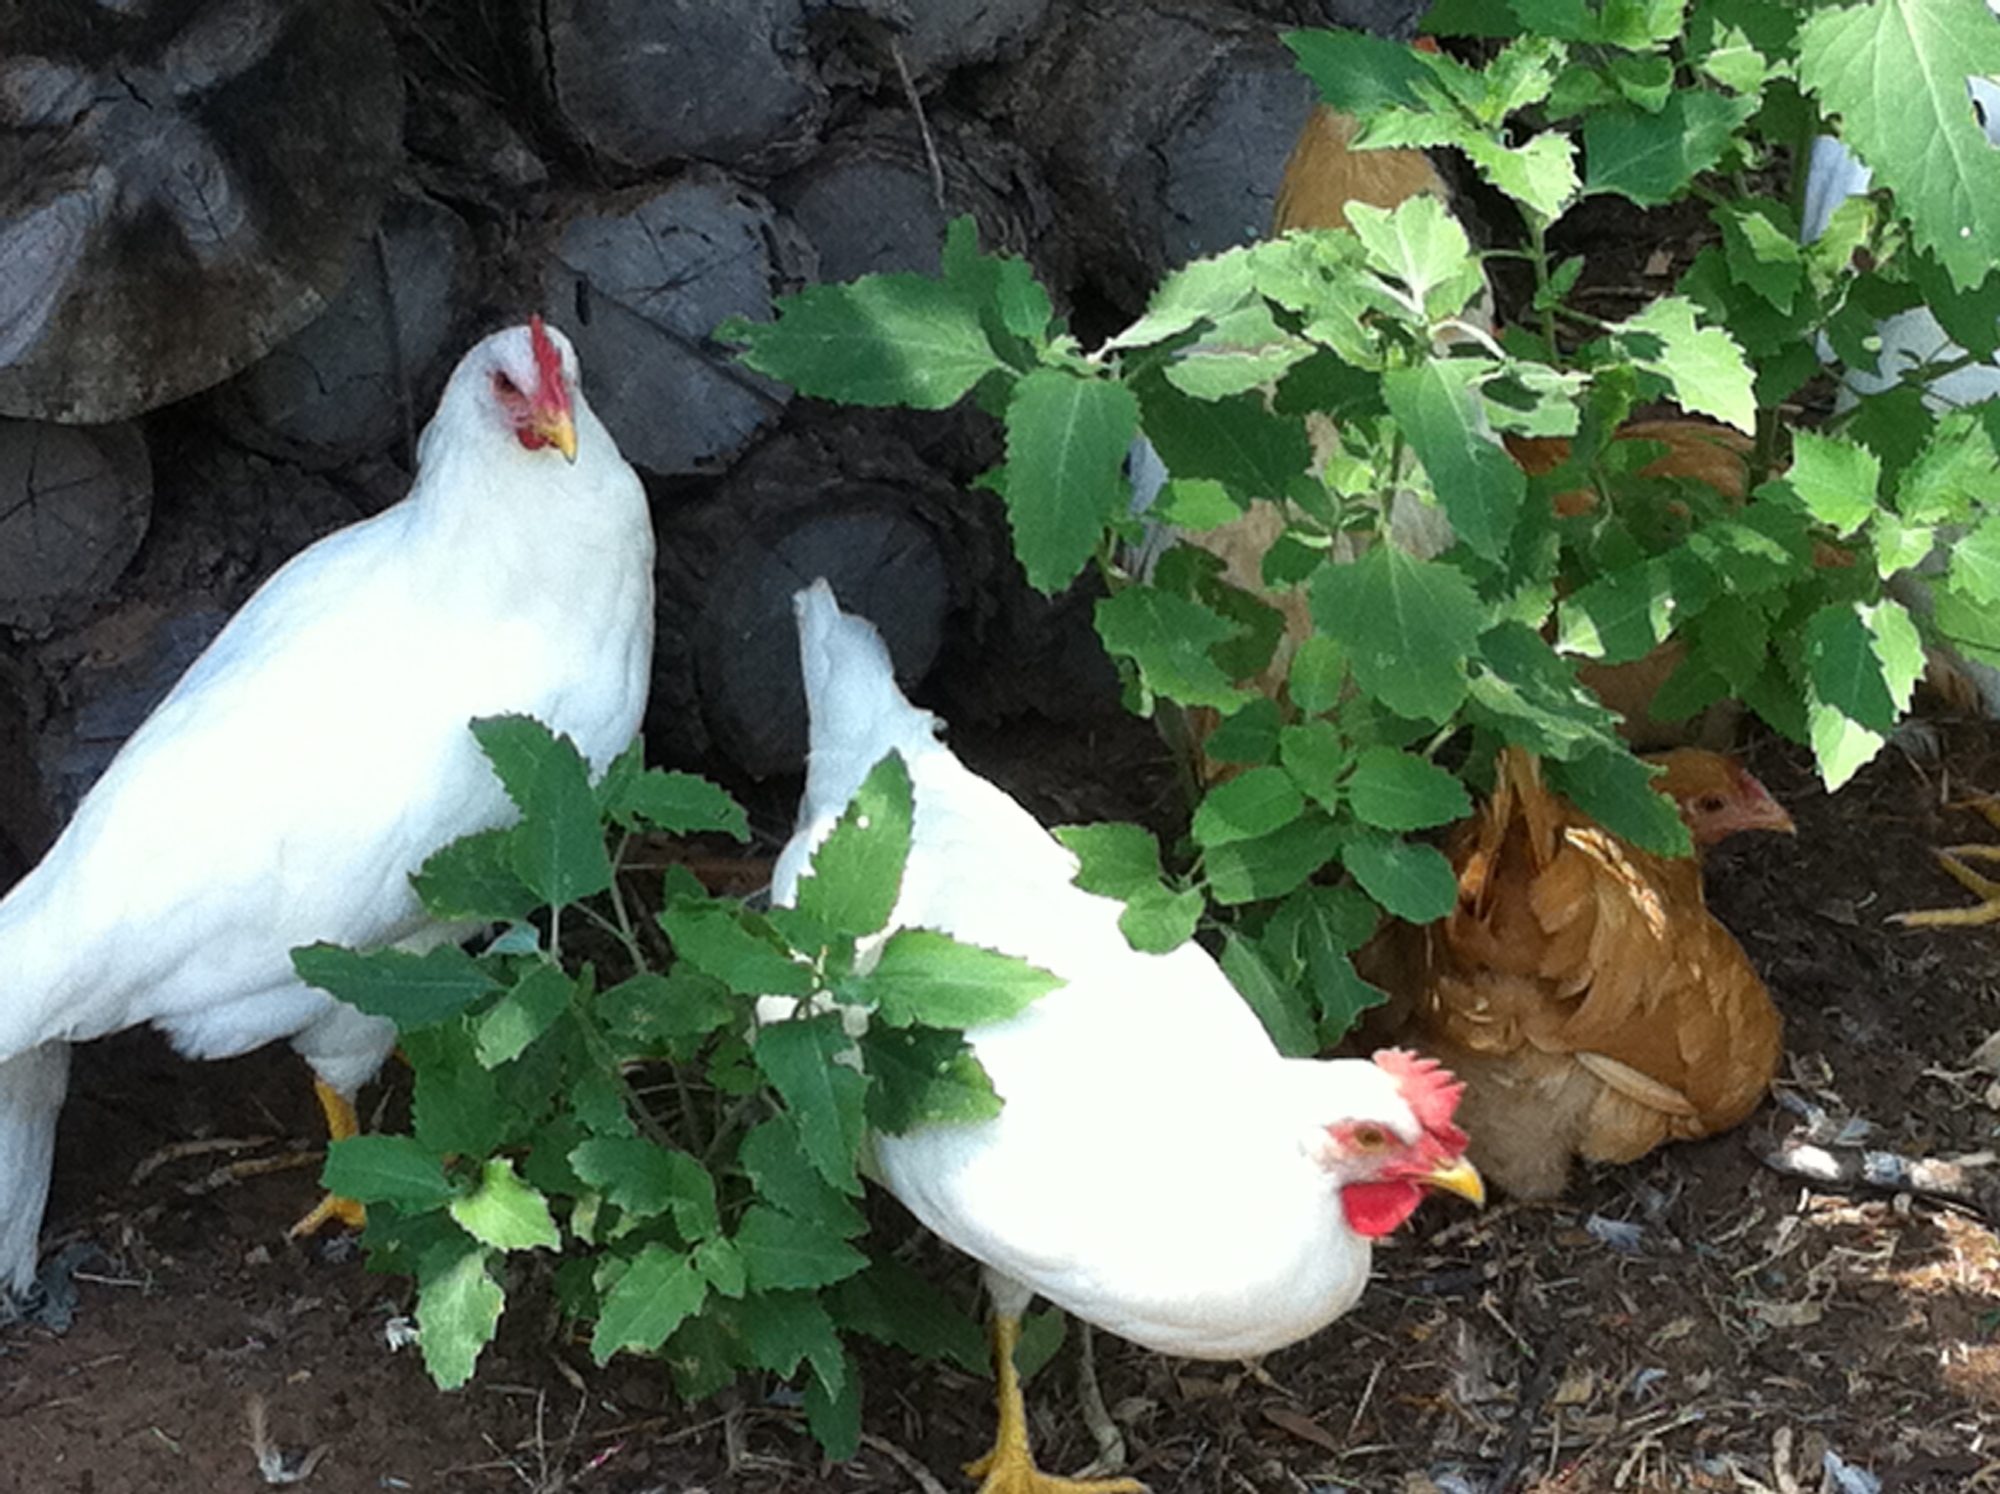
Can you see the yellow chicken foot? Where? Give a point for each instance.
(341, 1123)
(1010, 1467)
(1953, 859)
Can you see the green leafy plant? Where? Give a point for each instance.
(1342, 381)
(594, 1089)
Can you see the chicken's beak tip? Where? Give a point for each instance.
(1462, 1178)
(561, 435)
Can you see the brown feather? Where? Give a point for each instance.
(1581, 988)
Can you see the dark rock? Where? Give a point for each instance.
(639, 281)
(182, 184)
(74, 502)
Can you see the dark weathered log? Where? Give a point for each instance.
(849, 501)
(646, 82)
(935, 36)
(640, 281)
(464, 149)
(870, 200)
(74, 501)
(26, 827)
(364, 376)
(1164, 126)
(112, 674)
(182, 184)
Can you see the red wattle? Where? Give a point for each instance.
(1377, 1209)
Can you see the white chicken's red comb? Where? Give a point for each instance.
(548, 362)
(1429, 1089)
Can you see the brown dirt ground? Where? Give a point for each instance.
(1755, 1322)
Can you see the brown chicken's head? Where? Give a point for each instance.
(1717, 795)
(1397, 1138)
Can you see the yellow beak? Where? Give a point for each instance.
(560, 432)
(1461, 1178)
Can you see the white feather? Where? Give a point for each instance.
(318, 752)
(1153, 1170)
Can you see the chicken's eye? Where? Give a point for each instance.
(1370, 1138)
(1710, 804)
(505, 387)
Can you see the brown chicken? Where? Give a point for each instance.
(1592, 1004)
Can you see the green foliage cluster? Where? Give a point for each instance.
(1344, 378)
(592, 1088)
(696, 1172)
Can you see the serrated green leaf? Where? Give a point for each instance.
(1003, 286)
(1835, 479)
(1408, 626)
(892, 339)
(717, 941)
(925, 977)
(515, 745)
(1843, 670)
(1439, 413)
(645, 1179)
(1522, 689)
(1704, 365)
(1841, 745)
(504, 1031)
(1421, 244)
(1394, 790)
(1282, 1010)
(1359, 73)
(650, 1008)
(1313, 753)
(1158, 920)
(924, 1076)
(721, 1266)
(775, 1161)
(1064, 478)
(455, 1103)
(1539, 173)
(679, 803)
(1234, 441)
(651, 1298)
(783, 1252)
(1247, 871)
(1247, 737)
(1650, 158)
(824, 1096)
(395, 1170)
(411, 990)
(1204, 290)
(1194, 504)
(474, 878)
(782, 1329)
(505, 1212)
(1169, 638)
(1760, 242)
(1412, 881)
(458, 1308)
(558, 848)
(1620, 616)
(1616, 789)
(1251, 804)
(1895, 74)
(1242, 350)
(1115, 860)
(1318, 674)
(1975, 561)
(894, 1305)
(857, 871)
(834, 1417)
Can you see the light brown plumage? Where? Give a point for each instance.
(1592, 1004)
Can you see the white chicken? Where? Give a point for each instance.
(1158, 1169)
(318, 752)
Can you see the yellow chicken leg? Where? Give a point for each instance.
(1010, 1467)
(341, 1123)
(1953, 859)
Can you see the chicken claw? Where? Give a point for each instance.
(341, 1123)
(1010, 1467)
(1953, 859)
